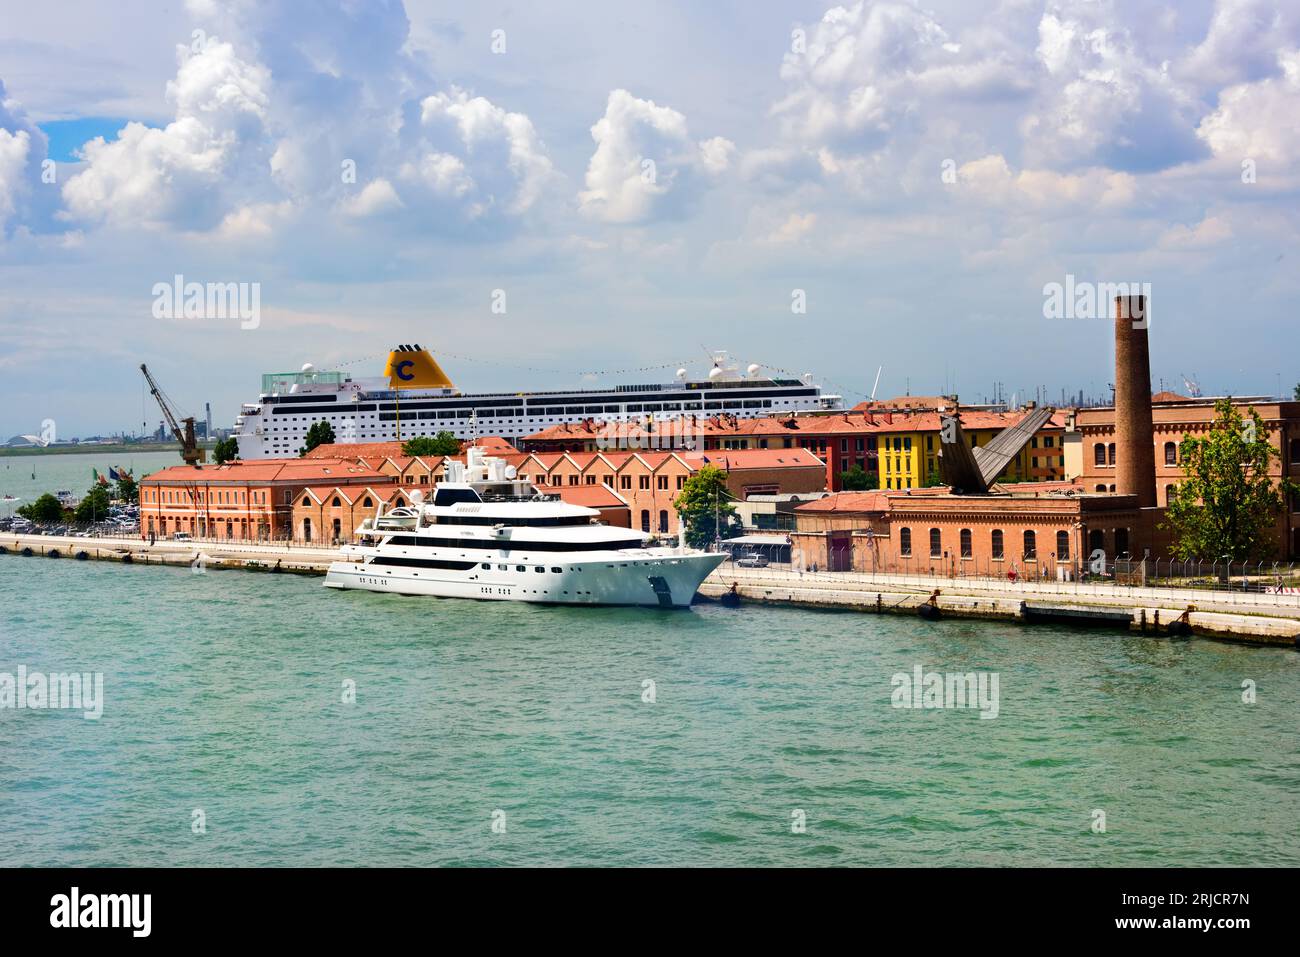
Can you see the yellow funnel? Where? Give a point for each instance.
(410, 367)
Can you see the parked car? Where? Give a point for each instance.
(752, 561)
(181, 536)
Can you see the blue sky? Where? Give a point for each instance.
(920, 172)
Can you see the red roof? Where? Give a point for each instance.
(599, 495)
(494, 444)
(876, 501)
(741, 459)
(316, 471)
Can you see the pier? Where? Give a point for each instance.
(1244, 616)
(1254, 617)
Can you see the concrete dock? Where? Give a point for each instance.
(1253, 617)
(1243, 616)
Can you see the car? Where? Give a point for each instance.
(752, 561)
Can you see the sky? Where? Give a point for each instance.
(547, 195)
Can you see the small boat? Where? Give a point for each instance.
(12, 498)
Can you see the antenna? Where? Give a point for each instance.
(876, 386)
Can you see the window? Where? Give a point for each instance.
(1171, 453)
(1099, 454)
(539, 568)
(663, 520)
(336, 503)
(645, 519)
(487, 566)
(998, 551)
(1101, 488)
(625, 481)
(965, 543)
(1121, 542)
(1031, 545)
(306, 500)
(643, 482)
(661, 482)
(1111, 453)
(936, 544)
(366, 503)
(1063, 546)
(905, 542)
(557, 570)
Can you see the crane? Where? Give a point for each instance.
(191, 454)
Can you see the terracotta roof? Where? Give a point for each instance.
(848, 502)
(315, 471)
(739, 459)
(494, 444)
(1167, 396)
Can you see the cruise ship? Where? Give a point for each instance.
(489, 535)
(414, 397)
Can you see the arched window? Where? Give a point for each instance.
(401, 502)
(1111, 451)
(336, 503)
(1169, 494)
(366, 503)
(936, 544)
(1063, 546)
(905, 542)
(663, 520)
(1101, 488)
(1031, 545)
(965, 543)
(1121, 542)
(645, 519)
(1171, 453)
(1097, 540)
(306, 500)
(997, 543)
(1099, 453)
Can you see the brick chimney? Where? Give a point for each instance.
(1135, 452)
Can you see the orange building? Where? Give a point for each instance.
(243, 501)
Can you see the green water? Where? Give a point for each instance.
(71, 471)
(223, 693)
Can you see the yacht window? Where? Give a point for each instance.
(503, 568)
(488, 565)
(539, 568)
(521, 568)
(558, 571)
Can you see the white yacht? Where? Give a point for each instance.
(491, 536)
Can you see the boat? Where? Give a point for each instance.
(415, 397)
(489, 535)
(12, 498)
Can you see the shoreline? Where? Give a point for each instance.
(1246, 617)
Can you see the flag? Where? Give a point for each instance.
(114, 475)
(97, 477)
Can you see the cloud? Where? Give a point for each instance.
(644, 155)
(23, 148)
(178, 175)
(376, 197)
(1259, 120)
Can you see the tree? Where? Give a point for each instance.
(444, 443)
(94, 506)
(43, 511)
(1296, 393)
(1227, 503)
(703, 496)
(126, 490)
(858, 479)
(227, 450)
(318, 433)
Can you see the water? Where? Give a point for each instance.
(71, 471)
(224, 694)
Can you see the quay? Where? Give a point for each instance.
(1243, 616)
(1253, 617)
(247, 556)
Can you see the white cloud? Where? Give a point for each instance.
(13, 160)
(378, 196)
(174, 175)
(1210, 231)
(644, 155)
(1259, 120)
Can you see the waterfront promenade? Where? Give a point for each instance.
(1233, 614)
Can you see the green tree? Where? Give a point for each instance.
(1227, 503)
(1296, 393)
(43, 511)
(444, 443)
(126, 490)
(318, 433)
(227, 450)
(858, 479)
(703, 497)
(94, 506)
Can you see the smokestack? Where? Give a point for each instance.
(1135, 452)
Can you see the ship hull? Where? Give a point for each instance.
(667, 581)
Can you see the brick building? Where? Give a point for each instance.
(242, 501)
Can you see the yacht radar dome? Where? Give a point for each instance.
(308, 368)
(753, 370)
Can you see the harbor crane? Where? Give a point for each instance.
(191, 454)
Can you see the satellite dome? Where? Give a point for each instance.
(308, 367)
(681, 373)
(511, 472)
(753, 369)
(417, 497)
(715, 373)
